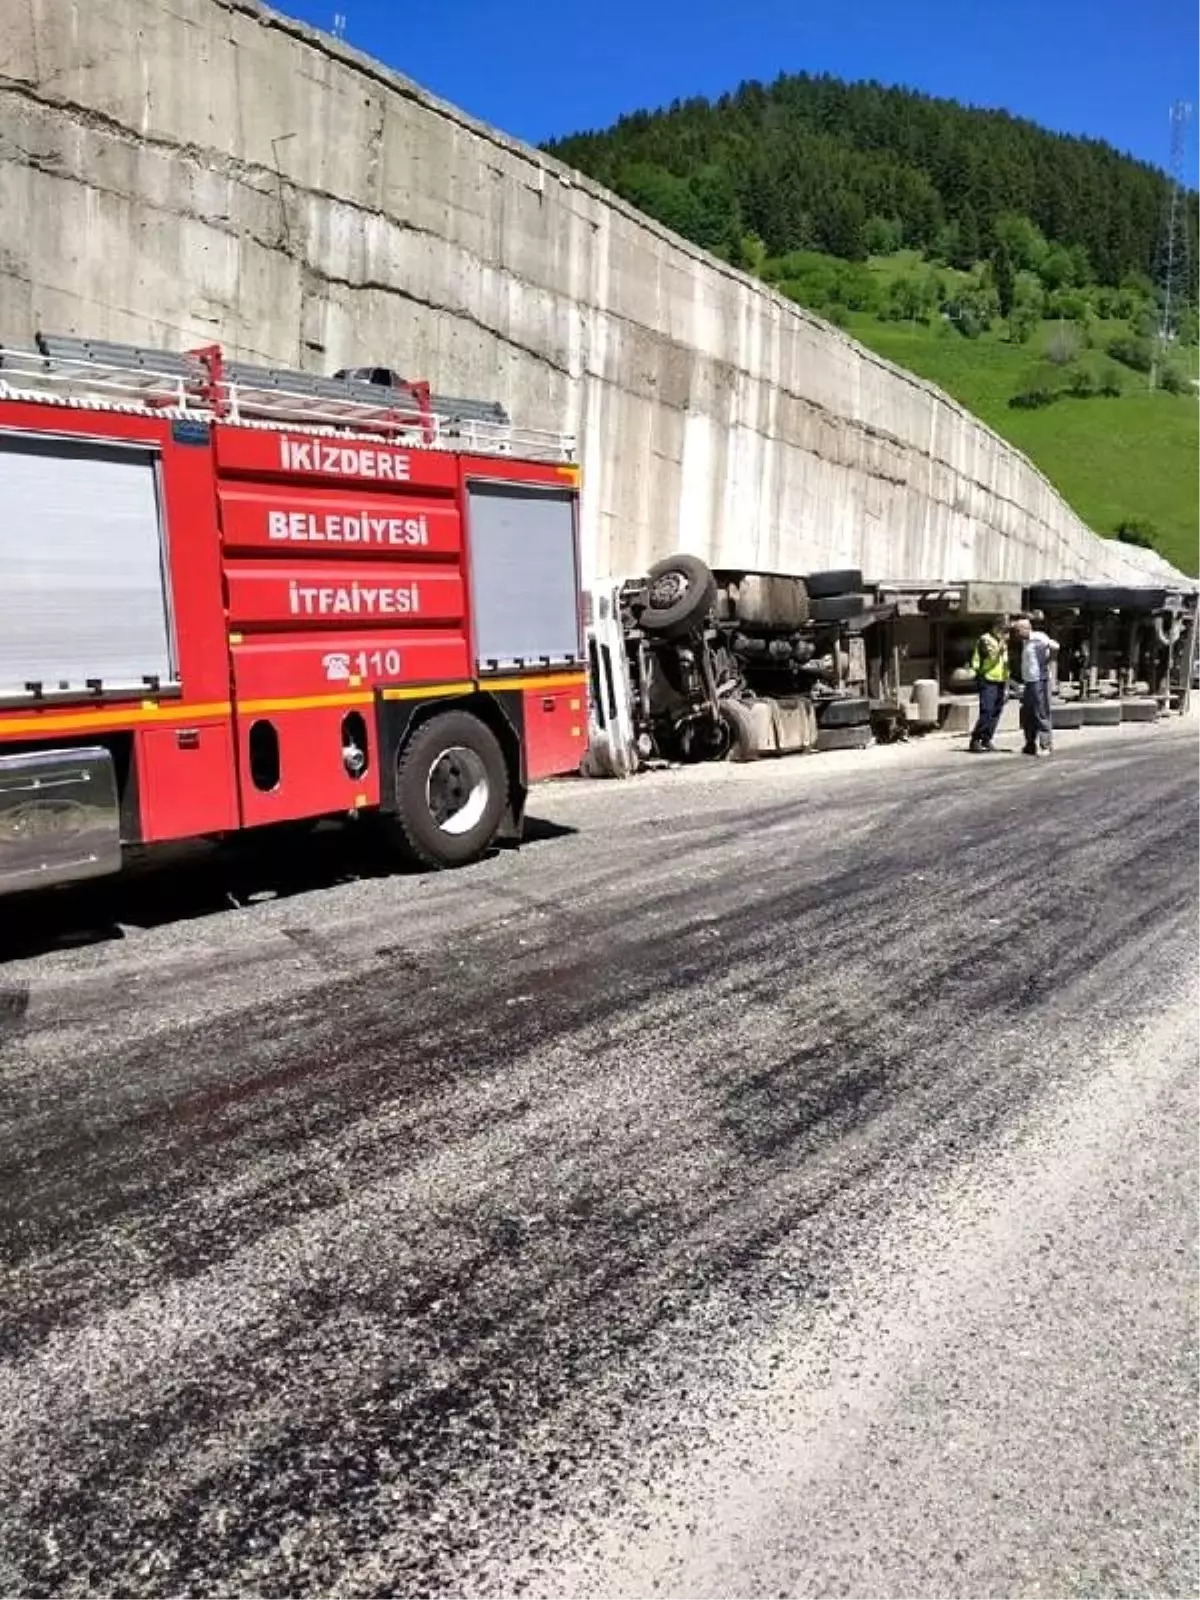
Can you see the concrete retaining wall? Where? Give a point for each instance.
(206, 169)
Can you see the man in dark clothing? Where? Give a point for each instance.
(989, 663)
(1037, 650)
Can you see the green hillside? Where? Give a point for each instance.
(1009, 265)
(1115, 460)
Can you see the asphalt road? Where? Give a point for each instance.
(769, 1181)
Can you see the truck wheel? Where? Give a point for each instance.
(681, 593)
(842, 580)
(451, 791)
(743, 746)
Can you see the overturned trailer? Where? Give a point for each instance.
(689, 663)
(1129, 649)
(1126, 653)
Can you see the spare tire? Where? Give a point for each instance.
(837, 607)
(851, 712)
(743, 744)
(842, 580)
(681, 591)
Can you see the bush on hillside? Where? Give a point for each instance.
(1063, 345)
(1021, 324)
(1139, 531)
(909, 299)
(1035, 398)
(1021, 238)
(855, 287)
(1104, 302)
(1136, 354)
(1058, 269)
(1173, 381)
(753, 255)
(1068, 304)
(824, 284)
(884, 235)
(1083, 385)
(1110, 380)
(974, 307)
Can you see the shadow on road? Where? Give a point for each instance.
(179, 883)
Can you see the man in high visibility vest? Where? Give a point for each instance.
(989, 663)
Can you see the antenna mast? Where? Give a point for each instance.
(1173, 274)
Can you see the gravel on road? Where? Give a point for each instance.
(774, 1180)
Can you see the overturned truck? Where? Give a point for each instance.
(694, 664)
(690, 664)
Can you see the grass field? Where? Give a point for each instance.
(1136, 455)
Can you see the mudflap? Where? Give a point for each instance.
(512, 826)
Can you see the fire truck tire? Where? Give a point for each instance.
(451, 791)
(681, 593)
(824, 585)
(743, 746)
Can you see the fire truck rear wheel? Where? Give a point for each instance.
(451, 791)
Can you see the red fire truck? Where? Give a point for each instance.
(232, 597)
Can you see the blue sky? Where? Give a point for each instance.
(535, 68)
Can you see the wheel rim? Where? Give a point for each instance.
(667, 589)
(457, 790)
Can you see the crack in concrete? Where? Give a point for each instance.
(377, 286)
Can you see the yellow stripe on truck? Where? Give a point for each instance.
(558, 680)
(113, 717)
(304, 702)
(570, 680)
(428, 691)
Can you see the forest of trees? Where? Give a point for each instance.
(812, 163)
